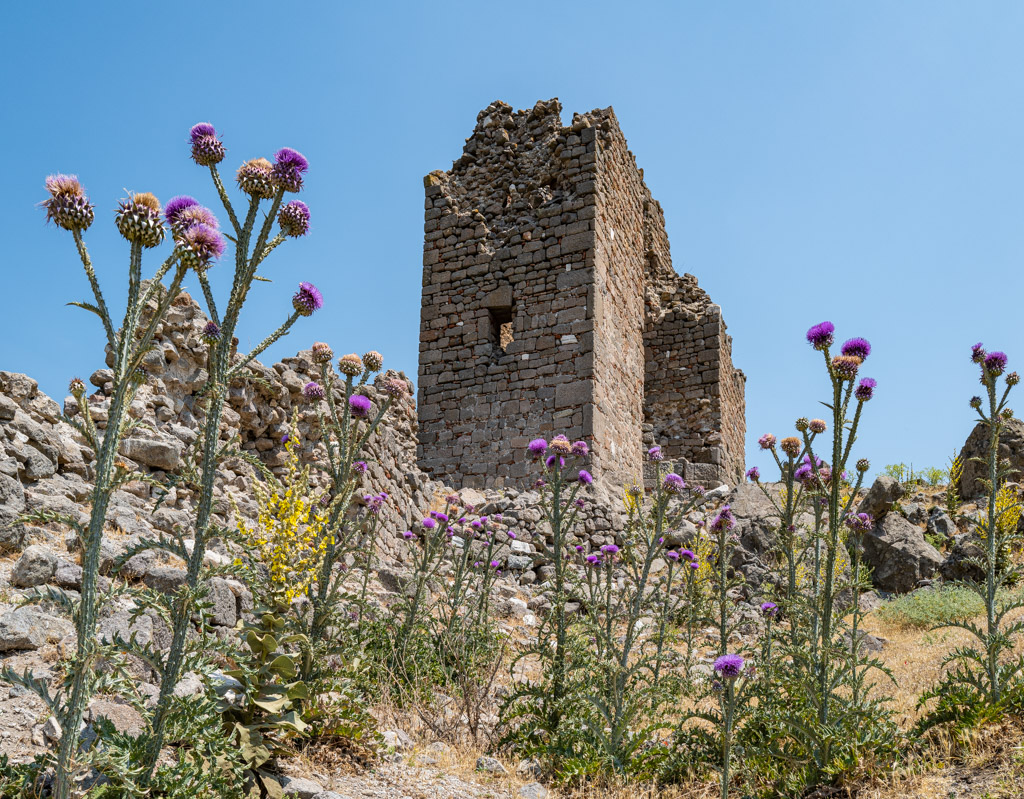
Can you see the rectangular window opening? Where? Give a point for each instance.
(501, 327)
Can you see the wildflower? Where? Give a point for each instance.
(593, 560)
(537, 447)
(724, 520)
(845, 366)
(580, 449)
(76, 387)
(211, 333)
(207, 149)
(995, 363)
(694, 565)
(767, 441)
(688, 554)
(550, 462)
(510, 534)
(769, 609)
(394, 387)
(672, 554)
(538, 484)
(68, 206)
(560, 445)
(177, 205)
(200, 245)
(373, 361)
(351, 365)
(441, 517)
(860, 522)
(820, 336)
(313, 391)
(495, 564)
(359, 467)
(673, 483)
(408, 534)
(359, 406)
(294, 219)
(285, 438)
(307, 299)
(138, 219)
(634, 490)
(977, 353)
(754, 474)
(429, 524)
(322, 352)
(865, 389)
(453, 500)
(730, 666)
(288, 169)
(585, 477)
(654, 454)
(818, 426)
(580, 503)
(857, 347)
(610, 549)
(254, 178)
(1012, 379)
(791, 446)
(976, 403)
(863, 465)
(802, 424)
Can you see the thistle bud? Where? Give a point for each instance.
(818, 426)
(207, 149)
(863, 465)
(322, 352)
(139, 375)
(138, 219)
(395, 388)
(313, 391)
(254, 178)
(288, 170)
(791, 446)
(560, 445)
(68, 206)
(351, 365)
(976, 403)
(802, 424)
(294, 219)
(76, 387)
(200, 246)
(211, 333)
(1007, 414)
(373, 361)
(845, 366)
(1012, 379)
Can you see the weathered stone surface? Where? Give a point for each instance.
(490, 765)
(883, 494)
(301, 787)
(30, 628)
(899, 555)
(1011, 449)
(164, 453)
(36, 566)
(962, 562)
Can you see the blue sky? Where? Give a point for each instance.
(859, 162)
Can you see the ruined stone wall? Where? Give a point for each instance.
(547, 234)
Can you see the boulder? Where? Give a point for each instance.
(29, 628)
(1011, 448)
(490, 765)
(940, 523)
(164, 453)
(36, 566)
(301, 787)
(883, 494)
(963, 560)
(898, 554)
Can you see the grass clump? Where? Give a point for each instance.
(930, 607)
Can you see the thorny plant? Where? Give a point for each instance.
(984, 679)
(196, 245)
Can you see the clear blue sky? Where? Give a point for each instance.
(856, 161)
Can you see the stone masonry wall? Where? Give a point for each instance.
(547, 234)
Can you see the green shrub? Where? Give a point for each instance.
(931, 607)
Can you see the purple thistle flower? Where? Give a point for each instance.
(654, 454)
(978, 353)
(865, 389)
(359, 406)
(580, 503)
(610, 549)
(510, 534)
(673, 483)
(68, 206)
(580, 449)
(429, 524)
(857, 347)
(288, 169)
(729, 666)
(753, 474)
(537, 447)
(495, 564)
(767, 441)
(688, 554)
(408, 534)
(694, 565)
(995, 363)
(821, 335)
(441, 517)
(307, 299)
(313, 391)
(860, 522)
(724, 520)
(769, 609)
(359, 467)
(207, 149)
(585, 477)
(200, 245)
(294, 219)
(593, 560)
(176, 205)
(672, 555)
(539, 484)
(550, 462)
(211, 333)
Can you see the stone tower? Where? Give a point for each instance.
(550, 306)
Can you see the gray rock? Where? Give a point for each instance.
(533, 790)
(301, 787)
(329, 795)
(398, 740)
(38, 466)
(940, 523)
(529, 767)
(167, 579)
(490, 765)
(883, 494)
(898, 554)
(164, 453)
(224, 612)
(964, 559)
(30, 628)
(915, 513)
(36, 566)
(1011, 448)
